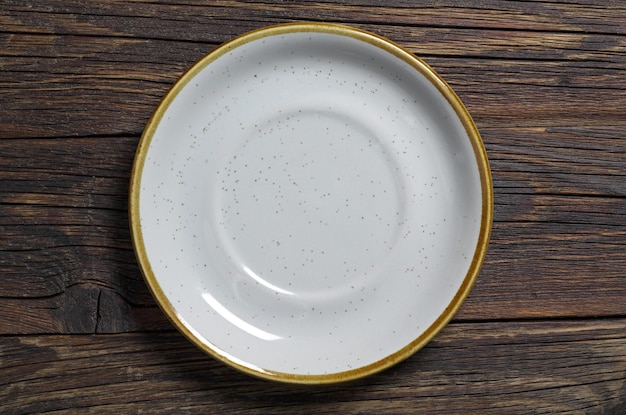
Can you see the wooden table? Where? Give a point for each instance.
(544, 329)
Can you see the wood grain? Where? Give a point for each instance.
(543, 330)
(74, 207)
(117, 59)
(558, 238)
(489, 368)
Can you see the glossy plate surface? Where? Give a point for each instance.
(310, 203)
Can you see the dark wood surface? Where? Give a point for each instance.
(544, 329)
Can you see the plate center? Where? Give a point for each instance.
(310, 203)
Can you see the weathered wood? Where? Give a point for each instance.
(176, 19)
(568, 161)
(102, 70)
(489, 368)
(559, 234)
(100, 95)
(543, 81)
(532, 272)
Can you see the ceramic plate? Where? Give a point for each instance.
(310, 203)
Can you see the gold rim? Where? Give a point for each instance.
(481, 160)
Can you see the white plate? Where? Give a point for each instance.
(310, 203)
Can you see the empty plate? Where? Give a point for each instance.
(310, 203)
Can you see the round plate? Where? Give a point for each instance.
(310, 203)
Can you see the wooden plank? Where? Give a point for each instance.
(117, 98)
(66, 257)
(77, 71)
(543, 330)
(566, 160)
(532, 270)
(558, 235)
(550, 270)
(102, 70)
(488, 368)
(83, 93)
(176, 19)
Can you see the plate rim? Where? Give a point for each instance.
(443, 88)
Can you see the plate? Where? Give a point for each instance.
(310, 203)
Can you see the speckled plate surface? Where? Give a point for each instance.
(310, 203)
